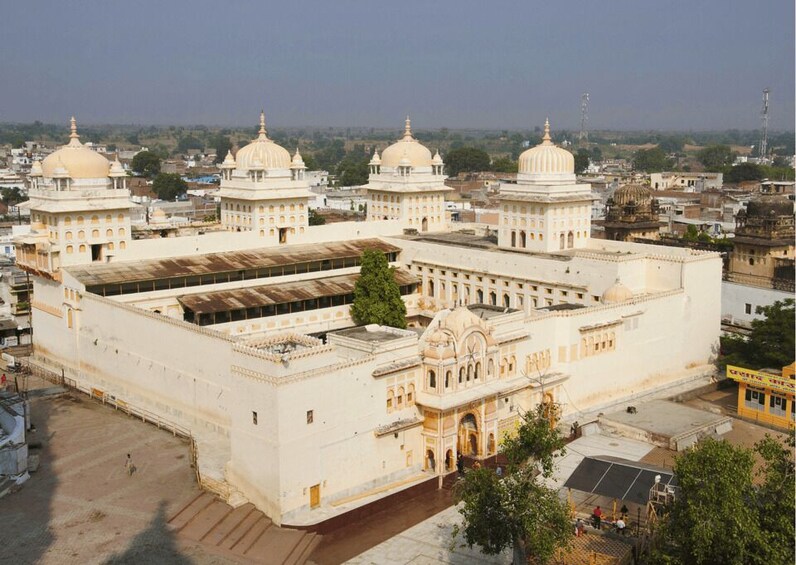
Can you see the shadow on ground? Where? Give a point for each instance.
(155, 544)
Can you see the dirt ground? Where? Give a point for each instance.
(81, 506)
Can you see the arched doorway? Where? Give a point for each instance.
(513, 238)
(570, 240)
(431, 464)
(561, 242)
(449, 463)
(468, 436)
(424, 225)
(522, 239)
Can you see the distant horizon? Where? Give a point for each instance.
(647, 66)
(398, 130)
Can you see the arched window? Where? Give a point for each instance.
(512, 364)
(94, 233)
(479, 296)
(80, 220)
(399, 400)
(431, 288)
(390, 400)
(121, 232)
(490, 368)
(432, 380)
(461, 375)
(110, 246)
(122, 245)
(95, 219)
(448, 377)
(469, 372)
(81, 235)
(120, 218)
(493, 298)
(522, 239)
(109, 233)
(68, 221)
(477, 370)
(82, 248)
(506, 301)
(410, 395)
(68, 236)
(69, 249)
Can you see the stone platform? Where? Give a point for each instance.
(665, 424)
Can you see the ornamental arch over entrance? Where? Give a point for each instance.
(469, 436)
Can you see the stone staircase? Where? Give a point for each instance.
(243, 531)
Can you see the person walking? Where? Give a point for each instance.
(597, 517)
(129, 467)
(460, 464)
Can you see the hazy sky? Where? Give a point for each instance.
(690, 64)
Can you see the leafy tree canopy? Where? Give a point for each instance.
(146, 163)
(466, 159)
(517, 511)
(314, 218)
(651, 160)
(770, 343)
(504, 165)
(581, 160)
(222, 145)
(377, 296)
(744, 172)
(12, 195)
(189, 142)
(722, 516)
(169, 186)
(715, 157)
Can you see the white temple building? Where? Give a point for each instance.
(244, 338)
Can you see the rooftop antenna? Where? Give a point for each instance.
(764, 117)
(583, 136)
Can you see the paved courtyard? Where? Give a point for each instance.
(81, 506)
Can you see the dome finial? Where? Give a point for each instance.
(408, 128)
(262, 132)
(73, 128)
(546, 139)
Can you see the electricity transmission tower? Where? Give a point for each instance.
(583, 137)
(764, 117)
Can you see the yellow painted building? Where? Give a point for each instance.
(765, 396)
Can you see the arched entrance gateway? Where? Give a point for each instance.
(469, 436)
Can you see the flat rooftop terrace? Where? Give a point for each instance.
(666, 424)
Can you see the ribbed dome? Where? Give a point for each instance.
(546, 158)
(407, 149)
(78, 161)
(632, 193)
(262, 152)
(770, 206)
(616, 293)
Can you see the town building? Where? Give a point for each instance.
(687, 182)
(766, 396)
(243, 336)
(632, 213)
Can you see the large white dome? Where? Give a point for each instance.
(407, 150)
(78, 161)
(546, 158)
(262, 153)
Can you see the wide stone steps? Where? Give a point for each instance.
(244, 532)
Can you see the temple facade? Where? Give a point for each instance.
(244, 337)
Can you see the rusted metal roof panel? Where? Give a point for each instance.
(156, 269)
(258, 296)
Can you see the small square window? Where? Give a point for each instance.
(310, 416)
(254, 418)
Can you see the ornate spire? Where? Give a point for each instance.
(546, 140)
(73, 127)
(262, 133)
(408, 128)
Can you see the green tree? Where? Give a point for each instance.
(581, 160)
(314, 218)
(715, 157)
(691, 233)
(744, 172)
(672, 144)
(596, 154)
(352, 171)
(769, 344)
(377, 296)
(169, 186)
(189, 142)
(723, 515)
(504, 165)
(466, 159)
(146, 163)
(651, 160)
(222, 145)
(517, 511)
(12, 195)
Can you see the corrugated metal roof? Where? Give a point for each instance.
(258, 296)
(195, 265)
